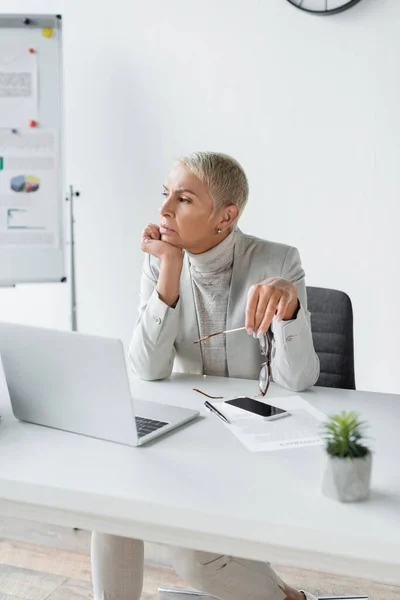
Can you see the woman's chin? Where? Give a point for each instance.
(171, 238)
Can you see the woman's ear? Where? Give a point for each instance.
(229, 215)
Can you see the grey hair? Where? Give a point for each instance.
(223, 176)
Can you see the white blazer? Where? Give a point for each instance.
(163, 337)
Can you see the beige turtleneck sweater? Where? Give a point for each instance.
(211, 274)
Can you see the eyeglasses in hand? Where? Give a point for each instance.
(266, 350)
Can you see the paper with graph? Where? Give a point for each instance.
(28, 180)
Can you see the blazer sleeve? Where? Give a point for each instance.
(151, 350)
(295, 364)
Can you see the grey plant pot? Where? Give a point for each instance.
(347, 480)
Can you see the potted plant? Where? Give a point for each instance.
(348, 470)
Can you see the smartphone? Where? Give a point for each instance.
(267, 411)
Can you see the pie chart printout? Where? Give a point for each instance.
(25, 183)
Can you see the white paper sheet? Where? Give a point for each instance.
(18, 88)
(301, 428)
(29, 189)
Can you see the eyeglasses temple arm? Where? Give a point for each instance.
(207, 395)
(207, 337)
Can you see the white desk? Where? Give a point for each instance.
(199, 487)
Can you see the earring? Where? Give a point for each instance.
(219, 230)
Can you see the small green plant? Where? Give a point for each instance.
(344, 436)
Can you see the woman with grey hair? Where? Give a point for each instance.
(202, 275)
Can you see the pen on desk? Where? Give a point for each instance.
(212, 408)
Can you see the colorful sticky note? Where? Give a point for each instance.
(47, 32)
(1, 163)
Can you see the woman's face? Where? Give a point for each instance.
(187, 216)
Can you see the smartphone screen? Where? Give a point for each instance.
(255, 406)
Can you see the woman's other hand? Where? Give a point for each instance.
(273, 296)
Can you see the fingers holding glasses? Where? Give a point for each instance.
(262, 302)
(274, 296)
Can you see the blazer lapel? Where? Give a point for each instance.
(190, 353)
(242, 352)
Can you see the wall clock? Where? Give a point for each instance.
(323, 7)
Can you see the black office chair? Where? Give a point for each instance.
(332, 331)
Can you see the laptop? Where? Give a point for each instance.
(79, 383)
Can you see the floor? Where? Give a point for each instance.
(52, 563)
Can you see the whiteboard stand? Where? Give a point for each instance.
(74, 312)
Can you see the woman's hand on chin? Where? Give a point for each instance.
(154, 245)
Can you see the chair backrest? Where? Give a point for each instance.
(332, 331)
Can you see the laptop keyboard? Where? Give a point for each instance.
(146, 426)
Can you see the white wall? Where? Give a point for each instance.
(309, 105)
